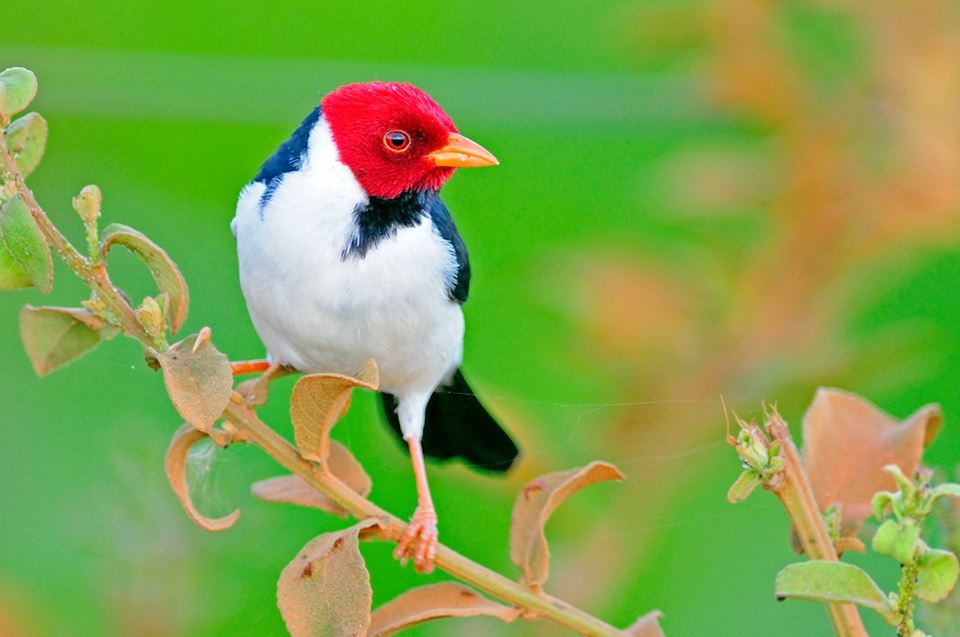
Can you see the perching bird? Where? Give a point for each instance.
(347, 253)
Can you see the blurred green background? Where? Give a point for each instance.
(694, 200)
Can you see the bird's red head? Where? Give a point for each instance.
(395, 138)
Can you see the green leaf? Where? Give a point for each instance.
(54, 336)
(27, 139)
(198, 380)
(897, 539)
(18, 87)
(823, 581)
(24, 254)
(744, 486)
(165, 272)
(937, 576)
(879, 503)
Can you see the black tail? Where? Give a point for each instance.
(458, 425)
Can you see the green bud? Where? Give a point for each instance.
(897, 539)
(150, 316)
(744, 486)
(87, 204)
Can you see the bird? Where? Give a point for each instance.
(347, 253)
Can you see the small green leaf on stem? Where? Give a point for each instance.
(165, 272)
(435, 601)
(325, 591)
(319, 401)
(744, 486)
(198, 380)
(18, 87)
(647, 626)
(176, 467)
(897, 539)
(533, 507)
(26, 140)
(295, 490)
(24, 253)
(937, 574)
(824, 581)
(55, 336)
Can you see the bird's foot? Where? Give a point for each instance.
(419, 542)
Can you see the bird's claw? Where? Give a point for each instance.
(419, 541)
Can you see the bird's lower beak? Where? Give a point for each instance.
(460, 152)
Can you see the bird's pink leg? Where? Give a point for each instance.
(420, 539)
(242, 368)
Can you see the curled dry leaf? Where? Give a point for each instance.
(296, 490)
(848, 441)
(534, 505)
(24, 254)
(176, 467)
(55, 336)
(435, 601)
(319, 401)
(647, 626)
(27, 139)
(165, 272)
(198, 380)
(325, 591)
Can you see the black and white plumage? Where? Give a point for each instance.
(347, 253)
(334, 277)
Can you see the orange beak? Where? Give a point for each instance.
(460, 152)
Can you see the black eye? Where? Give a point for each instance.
(396, 140)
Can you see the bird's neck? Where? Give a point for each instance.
(377, 219)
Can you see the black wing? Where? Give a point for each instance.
(447, 229)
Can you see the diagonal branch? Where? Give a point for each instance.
(249, 427)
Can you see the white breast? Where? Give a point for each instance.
(320, 313)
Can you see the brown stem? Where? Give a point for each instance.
(251, 428)
(797, 496)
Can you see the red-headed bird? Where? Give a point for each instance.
(347, 253)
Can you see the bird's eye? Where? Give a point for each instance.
(396, 140)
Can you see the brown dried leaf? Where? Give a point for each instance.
(534, 505)
(199, 382)
(319, 401)
(55, 336)
(165, 272)
(296, 490)
(647, 626)
(435, 601)
(176, 466)
(848, 441)
(325, 591)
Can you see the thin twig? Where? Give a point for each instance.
(797, 496)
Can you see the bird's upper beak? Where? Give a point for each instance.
(460, 152)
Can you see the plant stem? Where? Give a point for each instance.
(905, 598)
(251, 428)
(797, 496)
(94, 275)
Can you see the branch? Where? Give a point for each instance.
(797, 497)
(249, 427)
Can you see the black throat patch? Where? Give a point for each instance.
(378, 219)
